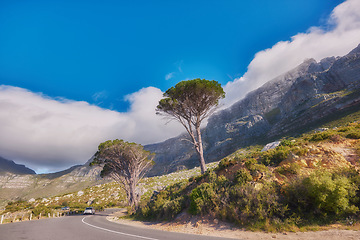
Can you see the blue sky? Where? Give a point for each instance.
(100, 51)
(76, 73)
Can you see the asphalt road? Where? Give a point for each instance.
(81, 227)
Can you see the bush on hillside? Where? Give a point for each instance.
(17, 206)
(273, 157)
(353, 135)
(165, 204)
(321, 136)
(292, 168)
(253, 203)
(243, 176)
(322, 194)
(41, 209)
(203, 199)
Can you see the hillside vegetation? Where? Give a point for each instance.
(309, 180)
(100, 196)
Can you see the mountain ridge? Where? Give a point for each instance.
(10, 166)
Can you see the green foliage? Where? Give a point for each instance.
(202, 199)
(321, 194)
(195, 96)
(226, 162)
(254, 203)
(351, 131)
(288, 143)
(41, 209)
(243, 176)
(165, 204)
(17, 206)
(321, 136)
(292, 168)
(273, 157)
(355, 134)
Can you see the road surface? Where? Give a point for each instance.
(80, 227)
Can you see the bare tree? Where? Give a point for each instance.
(126, 163)
(190, 102)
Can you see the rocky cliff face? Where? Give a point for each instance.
(288, 104)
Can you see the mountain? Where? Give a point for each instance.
(25, 186)
(294, 102)
(10, 166)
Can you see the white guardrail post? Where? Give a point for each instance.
(2, 219)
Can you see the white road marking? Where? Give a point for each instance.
(126, 234)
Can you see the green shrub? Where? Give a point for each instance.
(300, 151)
(243, 176)
(202, 199)
(225, 163)
(343, 129)
(17, 206)
(287, 142)
(41, 209)
(321, 136)
(165, 204)
(254, 202)
(292, 168)
(273, 157)
(322, 194)
(353, 135)
(172, 208)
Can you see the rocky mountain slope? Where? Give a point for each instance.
(26, 186)
(11, 167)
(310, 94)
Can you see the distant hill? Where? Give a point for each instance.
(11, 167)
(25, 186)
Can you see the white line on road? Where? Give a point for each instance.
(126, 234)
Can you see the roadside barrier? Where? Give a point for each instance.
(29, 216)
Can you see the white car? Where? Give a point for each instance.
(89, 210)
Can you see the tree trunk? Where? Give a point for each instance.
(132, 198)
(200, 150)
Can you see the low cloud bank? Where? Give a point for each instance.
(50, 134)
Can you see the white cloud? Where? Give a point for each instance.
(169, 76)
(98, 97)
(48, 134)
(343, 36)
(179, 64)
